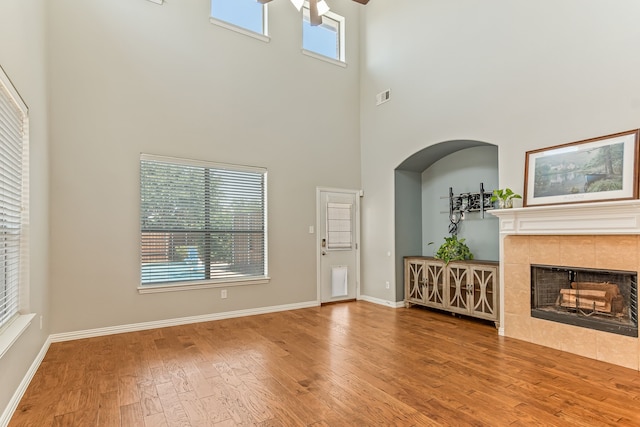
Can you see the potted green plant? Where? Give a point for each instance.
(453, 249)
(504, 197)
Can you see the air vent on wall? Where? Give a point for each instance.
(383, 97)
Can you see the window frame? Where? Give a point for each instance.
(20, 318)
(211, 282)
(341, 34)
(264, 36)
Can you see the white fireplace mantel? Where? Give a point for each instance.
(617, 217)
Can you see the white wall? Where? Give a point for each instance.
(519, 74)
(22, 56)
(131, 76)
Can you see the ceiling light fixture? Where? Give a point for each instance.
(298, 4)
(317, 8)
(323, 7)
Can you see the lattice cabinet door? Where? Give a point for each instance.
(434, 284)
(457, 288)
(484, 291)
(414, 278)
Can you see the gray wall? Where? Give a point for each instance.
(131, 76)
(520, 74)
(464, 171)
(22, 56)
(408, 222)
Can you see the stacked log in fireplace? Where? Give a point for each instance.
(605, 300)
(602, 298)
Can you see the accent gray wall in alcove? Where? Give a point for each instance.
(464, 171)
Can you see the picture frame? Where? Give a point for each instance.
(593, 170)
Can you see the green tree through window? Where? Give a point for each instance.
(201, 222)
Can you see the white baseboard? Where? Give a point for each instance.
(393, 304)
(111, 330)
(22, 388)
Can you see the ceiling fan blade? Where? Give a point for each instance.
(361, 1)
(314, 18)
(263, 1)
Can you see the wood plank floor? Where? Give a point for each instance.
(354, 364)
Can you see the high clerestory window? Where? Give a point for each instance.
(201, 223)
(245, 16)
(325, 40)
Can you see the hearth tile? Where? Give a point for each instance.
(544, 250)
(517, 276)
(517, 326)
(617, 349)
(546, 333)
(617, 252)
(516, 249)
(579, 341)
(578, 251)
(517, 301)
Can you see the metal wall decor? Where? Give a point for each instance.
(461, 203)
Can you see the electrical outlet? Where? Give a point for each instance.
(387, 285)
(41, 322)
(223, 293)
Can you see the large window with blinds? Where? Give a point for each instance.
(14, 161)
(201, 222)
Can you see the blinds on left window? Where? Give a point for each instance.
(13, 198)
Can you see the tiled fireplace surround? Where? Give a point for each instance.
(595, 235)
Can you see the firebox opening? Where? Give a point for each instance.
(604, 300)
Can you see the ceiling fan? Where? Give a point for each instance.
(317, 8)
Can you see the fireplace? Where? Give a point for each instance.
(586, 236)
(604, 300)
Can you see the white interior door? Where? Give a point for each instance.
(338, 244)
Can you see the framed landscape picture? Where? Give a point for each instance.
(597, 169)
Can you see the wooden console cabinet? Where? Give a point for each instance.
(465, 287)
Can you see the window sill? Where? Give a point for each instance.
(324, 58)
(190, 286)
(11, 334)
(240, 30)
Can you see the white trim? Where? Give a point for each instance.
(24, 384)
(201, 163)
(617, 217)
(237, 29)
(190, 286)
(112, 330)
(392, 304)
(324, 58)
(13, 331)
(8, 85)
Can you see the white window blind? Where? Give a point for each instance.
(339, 226)
(201, 222)
(14, 198)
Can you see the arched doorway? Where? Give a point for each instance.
(422, 184)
